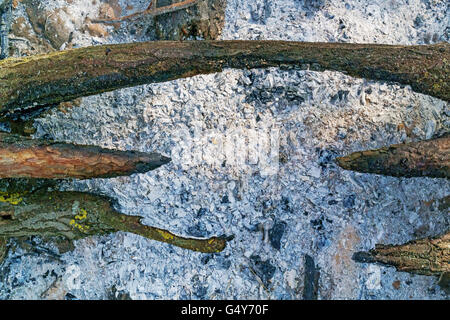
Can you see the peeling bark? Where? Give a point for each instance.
(22, 157)
(65, 75)
(429, 158)
(429, 256)
(76, 215)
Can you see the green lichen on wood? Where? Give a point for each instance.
(65, 75)
(76, 215)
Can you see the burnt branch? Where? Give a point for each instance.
(429, 256)
(429, 158)
(22, 157)
(76, 215)
(65, 75)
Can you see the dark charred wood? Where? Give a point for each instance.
(312, 275)
(429, 158)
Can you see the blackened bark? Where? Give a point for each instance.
(429, 158)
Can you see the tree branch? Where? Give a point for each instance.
(22, 157)
(76, 215)
(429, 158)
(62, 76)
(429, 256)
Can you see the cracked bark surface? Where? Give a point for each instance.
(62, 76)
(429, 256)
(430, 158)
(22, 157)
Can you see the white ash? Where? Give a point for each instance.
(329, 213)
(378, 21)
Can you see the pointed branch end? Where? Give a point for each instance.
(151, 162)
(363, 257)
(344, 162)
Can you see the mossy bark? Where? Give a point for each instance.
(429, 158)
(429, 256)
(65, 75)
(76, 215)
(22, 157)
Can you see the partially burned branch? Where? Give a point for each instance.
(76, 215)
(62, 76)
(430, 158)
(22, 157)
(429, 256)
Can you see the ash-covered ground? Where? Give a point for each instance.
(288, 209)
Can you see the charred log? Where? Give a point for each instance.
(65, 75)
(429, 158)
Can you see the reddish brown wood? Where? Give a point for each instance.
(22, 157)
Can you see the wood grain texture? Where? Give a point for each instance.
(22, 157)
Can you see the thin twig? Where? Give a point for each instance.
(151, 11)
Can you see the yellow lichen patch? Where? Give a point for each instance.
(166, 235)
(78, 226)
(11, 198)
(81, 216)
(436, 87)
